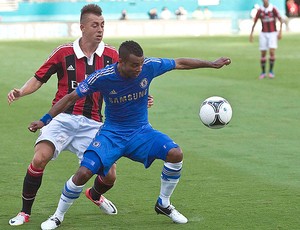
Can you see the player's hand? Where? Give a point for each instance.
(221, 62)
(34, 126)
(150, 101)
(13, 95)
(279, 36)
(251, 38)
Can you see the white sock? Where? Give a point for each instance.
(69, 194)
(169, 180)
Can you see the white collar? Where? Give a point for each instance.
(79, 53)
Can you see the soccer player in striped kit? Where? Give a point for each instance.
(74, 129)
(269, 35)
(126, 131)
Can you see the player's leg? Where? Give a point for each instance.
(170, 175)
(271, 63)
(86, 132)
(263, 64)
(152, 145)
(169, 179)
(71, 191)
(44, 151)
(101, 185)
(273, 40)
(263, 47)
(53, 139)
(106, 182)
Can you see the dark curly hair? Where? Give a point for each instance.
(130, 47)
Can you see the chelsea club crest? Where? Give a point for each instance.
(144, 83)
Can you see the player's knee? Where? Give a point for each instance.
(44, 152)
(272, 56)
(40, 161)
(111, 176)
(175, 155)
(82, 175)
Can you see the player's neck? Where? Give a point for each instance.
(121, 72)
(88, 48)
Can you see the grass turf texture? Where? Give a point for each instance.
(245, 176)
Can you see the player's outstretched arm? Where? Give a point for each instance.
(59, 107)
(193, 63)
(29, 87)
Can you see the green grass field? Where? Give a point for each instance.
(245, 176)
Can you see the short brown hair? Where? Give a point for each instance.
(90, 9)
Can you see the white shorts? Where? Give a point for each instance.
(69, 132)
(268, 40)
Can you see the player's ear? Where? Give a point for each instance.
(81, 27)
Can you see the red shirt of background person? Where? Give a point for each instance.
(268, 19)
(292, 8)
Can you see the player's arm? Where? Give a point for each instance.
(29, 87)
(59, 107)
(253, 26)
(280, 28)
(193, 63)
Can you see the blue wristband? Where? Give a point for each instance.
(46, 119)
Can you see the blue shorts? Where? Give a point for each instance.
(143, 145)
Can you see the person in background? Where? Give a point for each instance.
(269, 36)
(292, 8)
(198, 13)
(153, 14)
(181, 13)
(165, 14)
(207, 13)
(123, 15)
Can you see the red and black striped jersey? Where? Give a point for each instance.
(71, 67)
(268, 18)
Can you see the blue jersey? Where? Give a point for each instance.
(126, 99)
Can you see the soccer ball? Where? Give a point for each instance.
(215, 112)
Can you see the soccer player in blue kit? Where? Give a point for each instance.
(126, 131)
